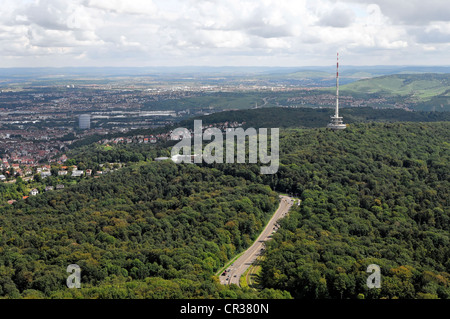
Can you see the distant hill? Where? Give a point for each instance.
(312, 118)
(312, 76)
(287, 118)
(422, 85)
(429, 91)
(326, 76)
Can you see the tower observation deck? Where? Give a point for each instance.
(336, 122)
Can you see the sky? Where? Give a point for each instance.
(128, 33)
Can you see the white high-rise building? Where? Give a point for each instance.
(336, 120)
(84, 121)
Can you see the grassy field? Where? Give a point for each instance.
(250, 276)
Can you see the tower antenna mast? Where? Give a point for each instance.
(337, 86)
(336, 122)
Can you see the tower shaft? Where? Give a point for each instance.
(337, 86)
(336, 122)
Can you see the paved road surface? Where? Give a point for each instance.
(237, 269)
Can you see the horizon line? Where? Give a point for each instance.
(223, 66)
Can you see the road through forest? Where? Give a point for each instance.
(234, 272)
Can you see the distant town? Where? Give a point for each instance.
(32, 157)
(40, 123)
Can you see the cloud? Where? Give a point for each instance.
(438, 32)
(338, 17)
(134, 7)
(232, 32)
(412, 12)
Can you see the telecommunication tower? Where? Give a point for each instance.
(336, 120)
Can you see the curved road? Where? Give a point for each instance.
(234, 272)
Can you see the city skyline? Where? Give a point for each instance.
(59, 33)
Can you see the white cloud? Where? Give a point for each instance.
(338, 16)
(233, 32)
(413, 12)
(135, 7)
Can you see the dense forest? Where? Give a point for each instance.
(153, 230)
(91, 156)
(284, 117)
(316, 117)
(374, 193)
